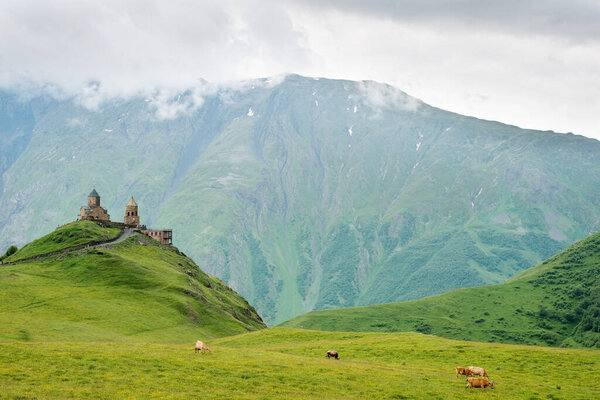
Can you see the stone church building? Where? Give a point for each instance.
(93, 212)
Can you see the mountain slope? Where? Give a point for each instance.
(309, 194)
(134, 290)
(553, 303)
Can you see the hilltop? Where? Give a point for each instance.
(304, 193)
(556, 302)
(64, 237)
(133, 290)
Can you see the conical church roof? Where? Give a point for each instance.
(131, 202)
(93, 193)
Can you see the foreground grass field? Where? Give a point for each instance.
(285, 363)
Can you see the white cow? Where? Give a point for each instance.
(201, 347)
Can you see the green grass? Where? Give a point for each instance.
(285, 363)
(136, 290)
(556, 302)
(73, 234)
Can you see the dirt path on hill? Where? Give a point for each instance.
(126, 234)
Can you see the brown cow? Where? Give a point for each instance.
(201, 347)
(478, 371)
(462, 371)
(479, 382)
(333, 354)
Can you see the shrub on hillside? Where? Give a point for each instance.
(9, 252)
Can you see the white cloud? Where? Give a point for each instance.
(132, 46)
(169, 104)
(533, 81)
(381, 96)
(532, 63)
(574, 19)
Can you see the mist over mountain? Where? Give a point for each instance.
(306, 193)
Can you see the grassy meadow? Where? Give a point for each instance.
(287, 363)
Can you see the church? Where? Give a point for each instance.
(94, 212)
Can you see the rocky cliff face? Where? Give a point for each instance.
(309, 193)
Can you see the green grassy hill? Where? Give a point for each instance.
(290, 364)
(553, 303)
(69, 235)
(136, 290)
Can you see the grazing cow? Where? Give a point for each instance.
(478, 371)
(333, 354)
(462, 371)
(201, 347)
(479, 382)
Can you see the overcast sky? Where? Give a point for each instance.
(535, 64)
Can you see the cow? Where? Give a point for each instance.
(201, 347)
(333, 354)
(478, 371)
(479, 382)
(462, 371)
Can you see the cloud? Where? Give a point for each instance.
(531, 63)
(573, 19)
(133, 46)
(90, 96)
(169, 105)
(381, 96)
(533, 81)
(167, 108)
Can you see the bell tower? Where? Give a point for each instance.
(93, 199)
(131, 214)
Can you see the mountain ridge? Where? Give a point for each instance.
(305, 194)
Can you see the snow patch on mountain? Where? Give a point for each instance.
(420, 141)
(476, 196)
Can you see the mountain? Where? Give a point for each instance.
(556, 303)
(133, 290)
(304, 193)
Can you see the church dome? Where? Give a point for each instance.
(94, 194)
(131, 202)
